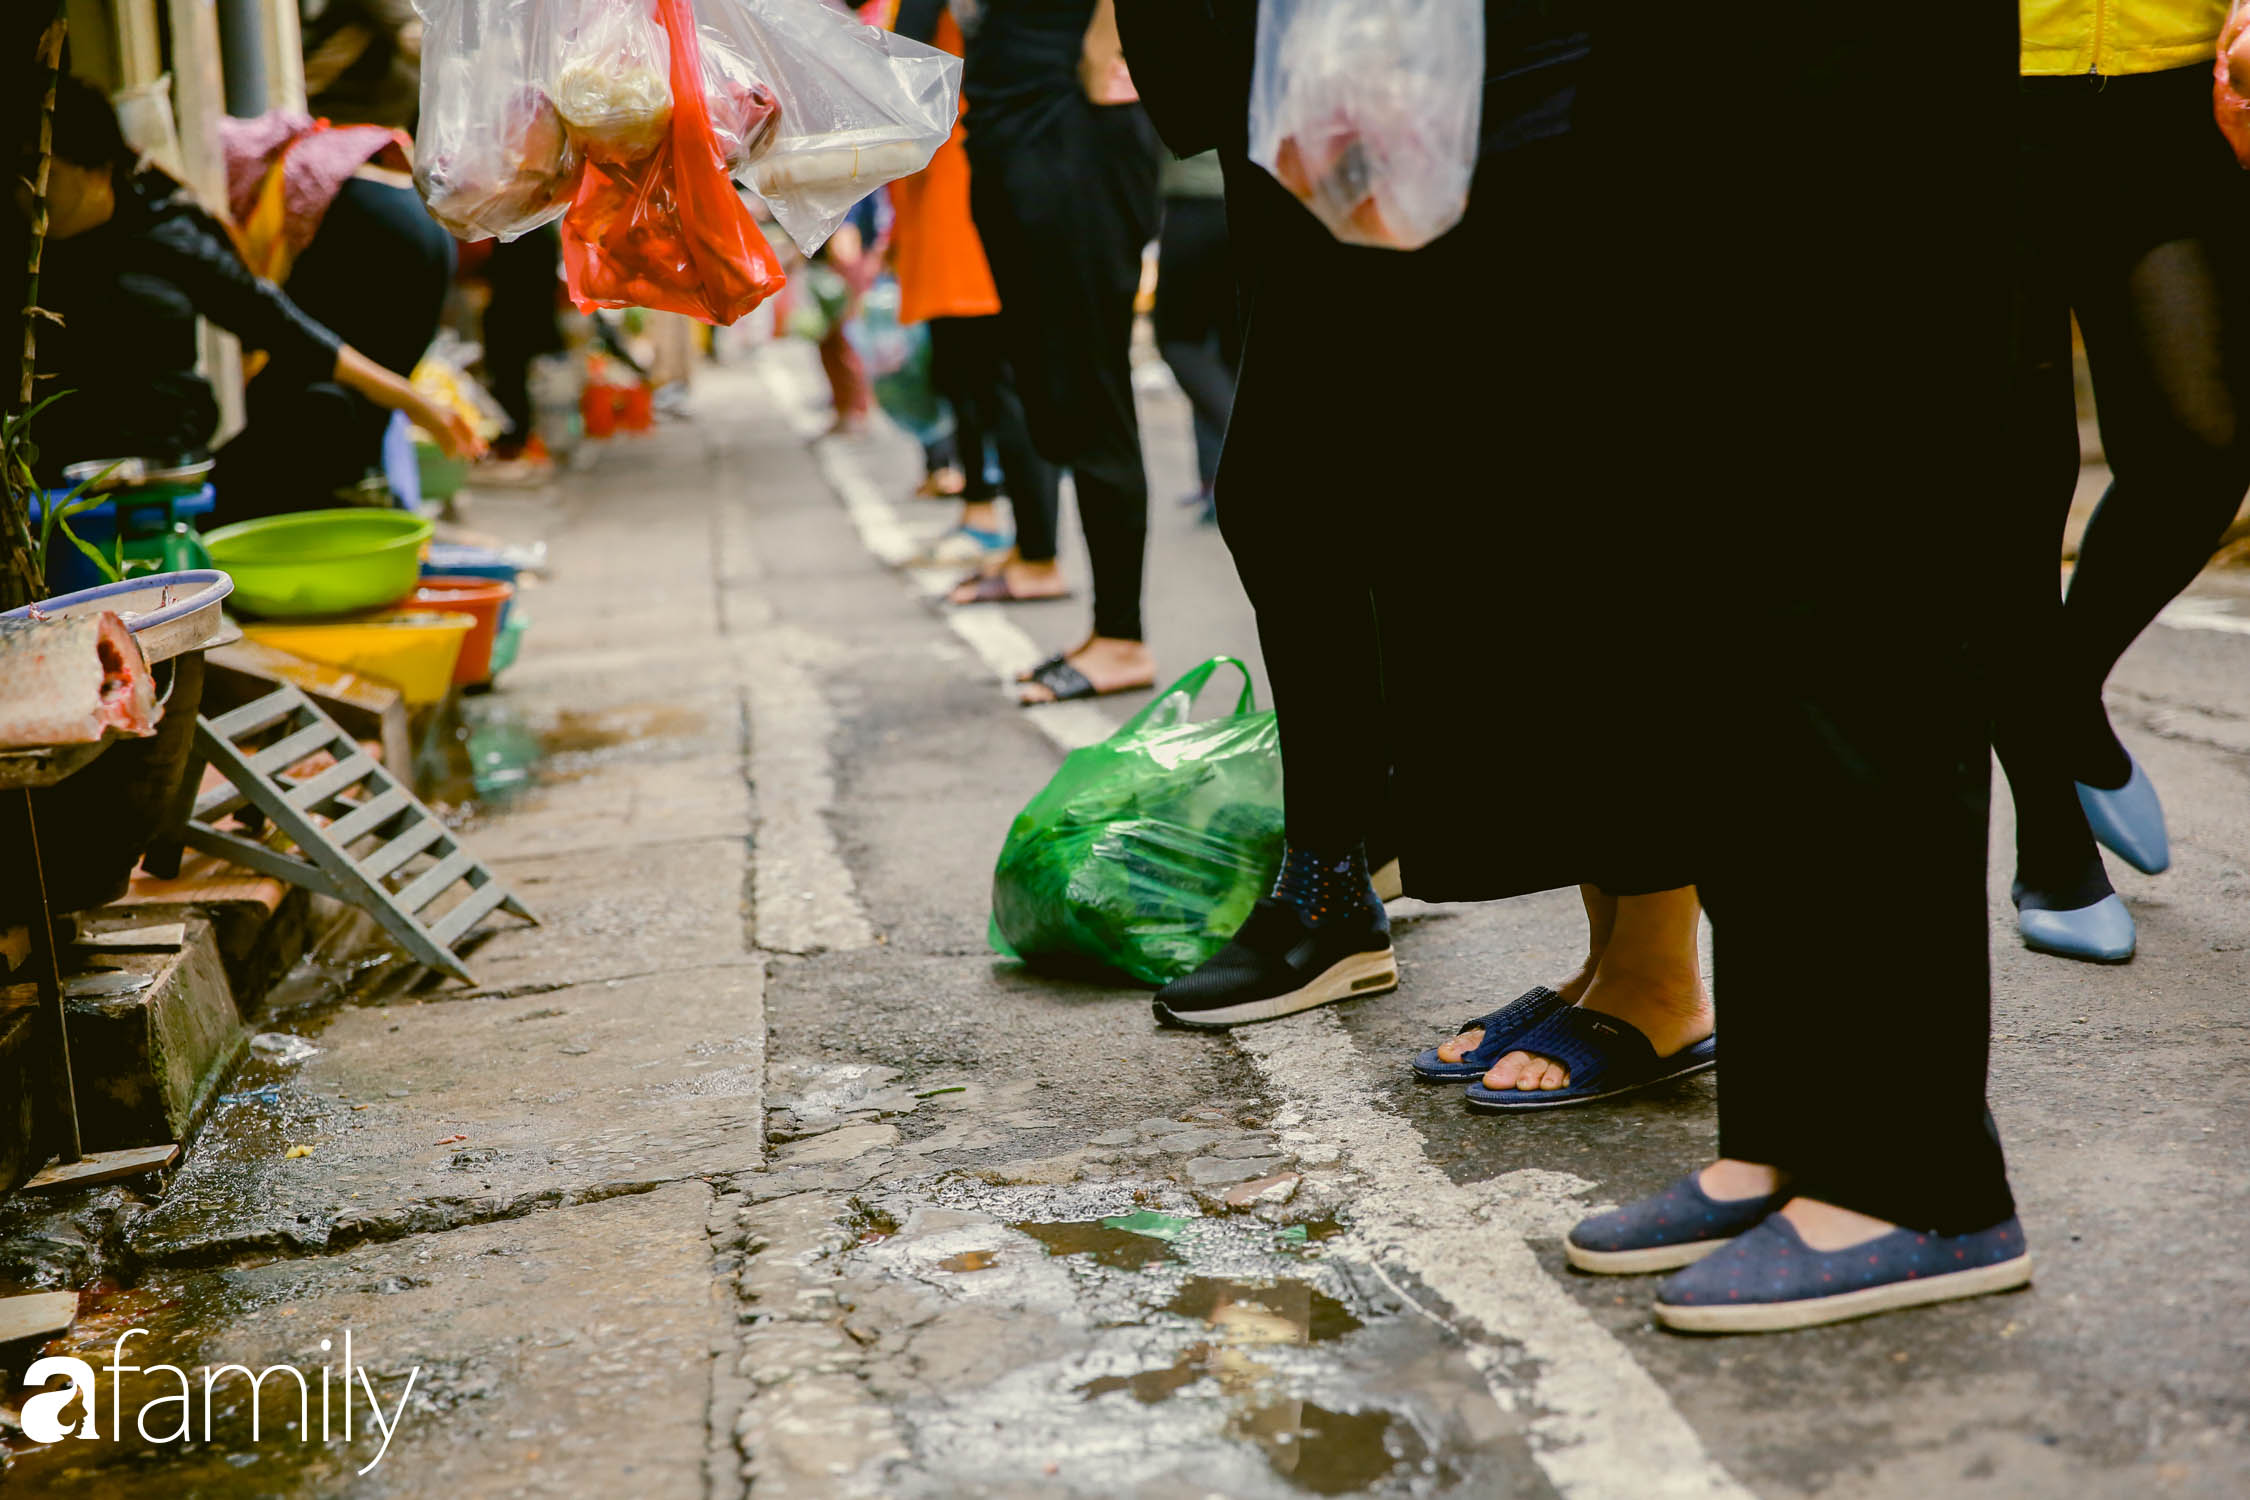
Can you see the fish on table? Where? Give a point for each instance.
(73, 680)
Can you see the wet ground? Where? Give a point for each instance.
(753, 1171)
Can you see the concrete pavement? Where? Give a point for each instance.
(755, 1171)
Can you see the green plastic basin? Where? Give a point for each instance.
(320, 562)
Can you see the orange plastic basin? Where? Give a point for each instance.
(481, 598)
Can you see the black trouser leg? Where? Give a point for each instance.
(1862, 784)
(1195, 300)
(519, 322)
(1063, 211)
(298, 448)
(970, 368)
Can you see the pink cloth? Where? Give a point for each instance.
(322, 157)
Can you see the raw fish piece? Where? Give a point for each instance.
(69, 681)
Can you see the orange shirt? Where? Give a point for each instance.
(935, 252)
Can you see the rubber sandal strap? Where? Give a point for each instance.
(1595, 1047)
(1065, 681)
(1503, 1028)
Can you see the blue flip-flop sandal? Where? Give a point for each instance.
(1501, 1028)
(1607, 1057)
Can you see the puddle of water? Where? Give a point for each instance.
(491, 755)
(1331, 1452)
(1278, 1312)
(970, 1260)
(125, 1463)
(1121, 1249)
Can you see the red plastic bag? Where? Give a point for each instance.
(2230, 87)
(669, 232)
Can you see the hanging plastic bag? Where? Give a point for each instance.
(613, 80)
(1369, 113)
(491, 155)
(1147, 851)
(668, 231)
(859, 106)
(2230, 85)
(744, 111)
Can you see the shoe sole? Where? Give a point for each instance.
(1534, 1101)
(1347, 979)
(1776, 1317)
(1640, 1262)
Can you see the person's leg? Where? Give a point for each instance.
(986, 410)
(376, 272)
(2058, 868)
(2169, 346)
(298, 448)
(1649, 974)
(1194, 292)
(520, 323)
(1601, 921)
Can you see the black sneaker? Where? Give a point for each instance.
(1278, 965)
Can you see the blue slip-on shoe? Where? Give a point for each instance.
(1607, 1057)
(1769, 1279)
(1666, 1230)
(1501, 1028)
(2102, 933)
(2129, 821)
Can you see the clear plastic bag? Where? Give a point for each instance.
(491, 155)
(859, 106)
(744, 111)
(1369, 113)
(613, 80)
(669, 231)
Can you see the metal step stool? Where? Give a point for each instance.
(411, 859)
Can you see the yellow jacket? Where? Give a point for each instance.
(2118, 36)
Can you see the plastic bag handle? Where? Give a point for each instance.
(1192, 683)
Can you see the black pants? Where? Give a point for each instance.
(1851, 277)
(1064, 198)
(2138, 220)
(519, 321)
(376, 274)
(969, 367)
(1198, 320)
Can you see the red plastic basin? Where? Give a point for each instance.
(482, 598)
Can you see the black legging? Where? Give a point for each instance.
(519, 321)
(969, 367)
(1198, 322)
(2138, 223)
(1064, 197)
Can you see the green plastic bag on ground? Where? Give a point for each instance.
(1147, 851)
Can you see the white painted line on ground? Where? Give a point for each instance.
(1601, 1427)
(2191, 612)
(997, 640)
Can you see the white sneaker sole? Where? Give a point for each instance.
(1640, 1262)
(1773, 1317)
(1360, 974)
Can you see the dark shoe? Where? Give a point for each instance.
(1666, 1230)
(1278, 965)
(1608, 1057)
(1769, 1279)
(1501, 1028)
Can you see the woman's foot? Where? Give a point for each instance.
(1111, 665)
(1680, 1225)
(942, 484)
(1816, 1262)
(1601, 922)
(1023, 580)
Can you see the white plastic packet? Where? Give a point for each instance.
(613, 79)
(1369, 113)
(491, 156)
(860, 106)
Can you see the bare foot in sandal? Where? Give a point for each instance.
(1011, 581)
(1104, 664)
